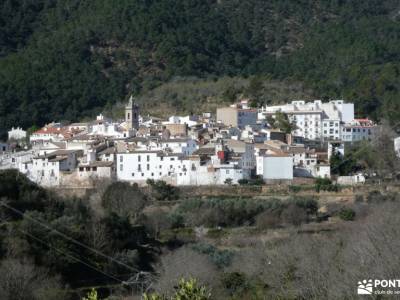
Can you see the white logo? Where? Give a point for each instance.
(365, 287)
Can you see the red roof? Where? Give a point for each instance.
(49, 130)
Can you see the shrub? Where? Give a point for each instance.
(325, 184)
(294, 188)
(234, 282)
(309, 204)
(228, 181)
(186, 289)
(243, 181)
(257, 180)
(123, 199)
(221, 258)
(177, 219)
(268, 219)
(162, 191)
(294, 215)
(347, 214)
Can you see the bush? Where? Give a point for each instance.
(268, 219)
(258, 180)
(347, 214)
(325, 184)
(228, 181)
(309, 204)
(294, 215)
(234, 282)
(221, 258)
(189, 289)
(162, 191)
(177, 220)
(243, 181)
(123, 199)
(294, 188)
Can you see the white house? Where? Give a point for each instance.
(274, 166)
(351, 180)
(358, 130)
(46, 170)
(15, 160)
(16, 134)
(48, 134)
(188, 120)
(138, 166)
(107, 128)
(314, 120)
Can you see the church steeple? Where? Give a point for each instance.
(132, 114)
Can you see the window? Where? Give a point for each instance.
(172, 158)
(94, 169)
(148, 167)
(121, 158)
(139, 158)
(129, 116)
(160, 166)
(139, 167)
(152, 174)
(148, 157)
(227, 171)
(160, 173)
(133, 174)
(162, 158)
(142, 174)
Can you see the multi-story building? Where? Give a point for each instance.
(314, 120)
(47, 169)
(358, 130)
(16, 134)
(237, 115)
(275, 166)
(138, 166)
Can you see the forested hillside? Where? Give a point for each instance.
(67, 59)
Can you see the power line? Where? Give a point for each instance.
(70, 238)
(68, 255)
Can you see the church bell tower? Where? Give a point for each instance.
(132, 114)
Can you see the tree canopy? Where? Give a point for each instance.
(69, 59)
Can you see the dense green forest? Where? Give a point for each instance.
(69, 59)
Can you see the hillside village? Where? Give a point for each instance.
(234, 145)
